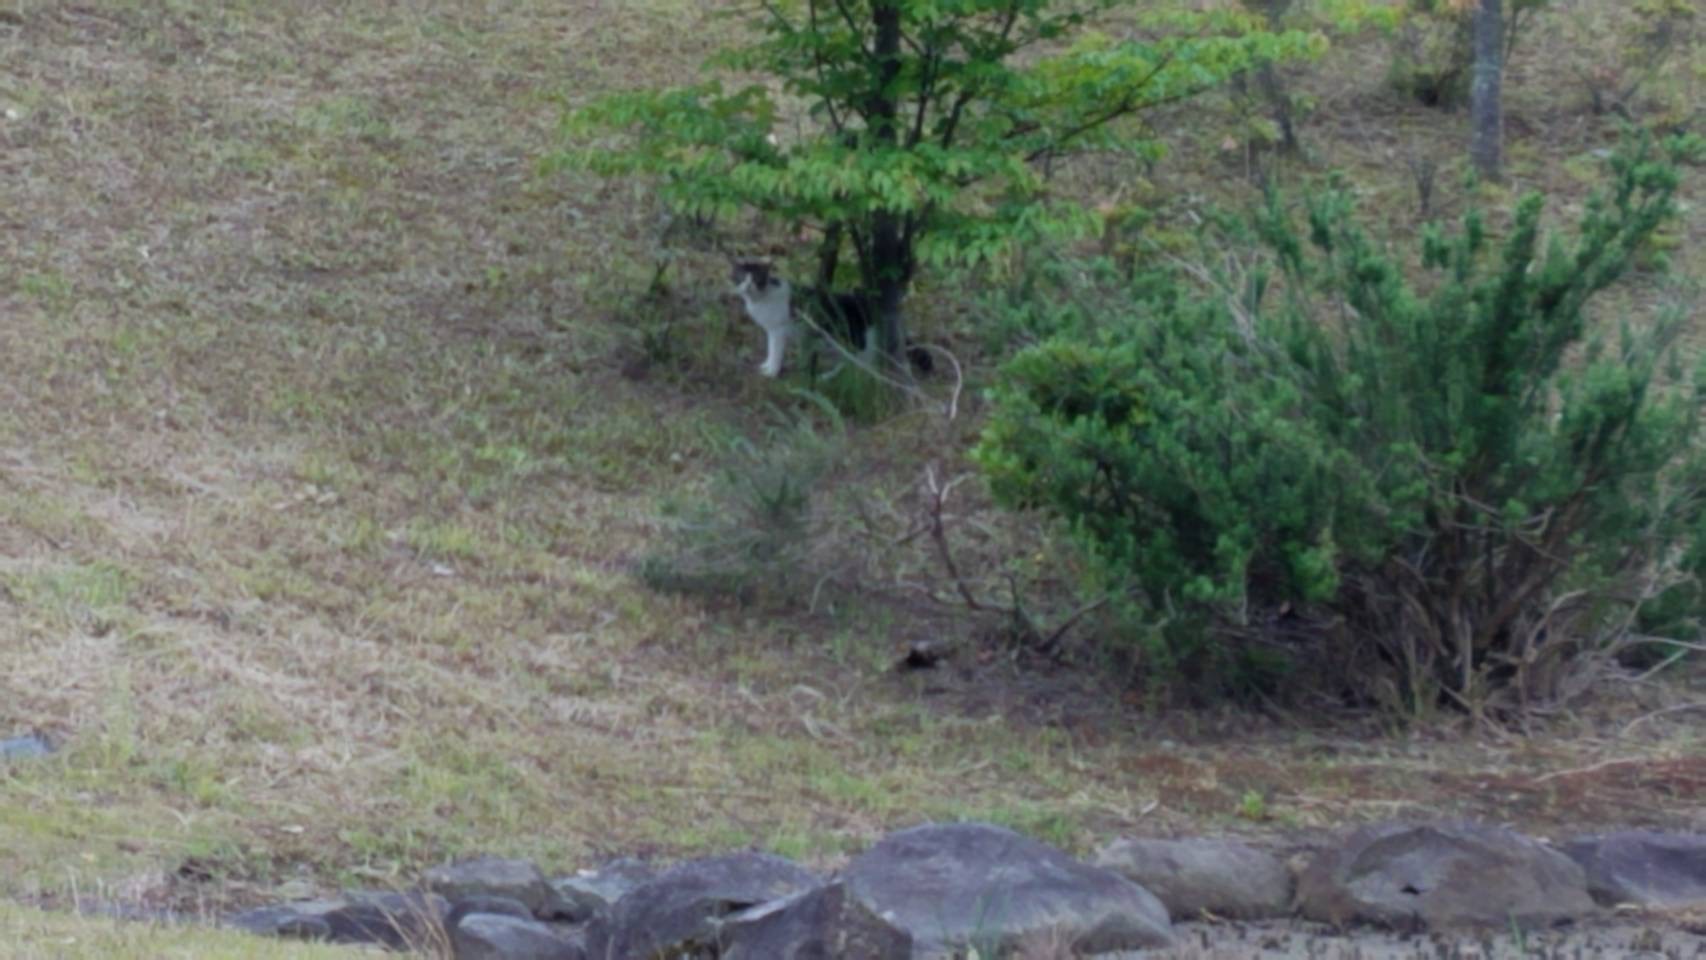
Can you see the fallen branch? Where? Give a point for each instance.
(1679, 708)
(1594, 768)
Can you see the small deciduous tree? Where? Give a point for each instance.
(919, 132)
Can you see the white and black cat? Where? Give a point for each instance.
(771, 301)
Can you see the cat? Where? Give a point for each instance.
(770, 302)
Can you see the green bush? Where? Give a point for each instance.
(1445, 489)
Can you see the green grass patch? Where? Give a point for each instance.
(88, 596)
(31, 934)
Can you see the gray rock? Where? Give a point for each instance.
(677, 913)
(950, 886)
(591, 892)
(518, 880)
(490, 936)
(396, 920)
(821, 924)
(1441, 877)
(25, 748)
(1221, 877)
(291, 921)
(1666, 871)
(482, 903)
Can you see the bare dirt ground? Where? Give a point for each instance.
(320, 482)
(1659, 937)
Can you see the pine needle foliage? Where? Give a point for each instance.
(1447, 484)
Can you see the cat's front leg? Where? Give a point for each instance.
(776, 342)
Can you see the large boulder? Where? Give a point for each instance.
(1197, 876)
(491, 936)
(400, 921)
(954, 885)
(1665, 871)
(1443, 876)
(678, 913)
(517, 880)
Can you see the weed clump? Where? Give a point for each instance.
(751, 534)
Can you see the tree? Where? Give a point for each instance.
(918, 132)
(1486, 94)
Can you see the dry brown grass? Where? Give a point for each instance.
(319, 485)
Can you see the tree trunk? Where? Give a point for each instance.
(1486, 96)
(1272, 86)
(829, 255)
(891, 280)
(889, 272)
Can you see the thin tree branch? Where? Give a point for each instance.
(1127, 105)
(1072, 620)
(939, 534)
(1591, 768)
(1679, 708)
(926, 93)
(853, 26)
(950, 126)
(822, 78)
(1668, 642)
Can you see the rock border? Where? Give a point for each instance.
(935, 890)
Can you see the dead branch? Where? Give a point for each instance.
(1679, 708)
(953, 409)
(1049, 643)
(1591, 768)
(939, 534)
(1072, 620)
(1641, 640)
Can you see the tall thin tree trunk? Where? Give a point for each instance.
(1268, 80)
(829, 255)
(890, 270)
(1486, 95)
(891, 290)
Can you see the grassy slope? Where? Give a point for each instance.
(318, 483)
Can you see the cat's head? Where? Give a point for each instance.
(754, 275)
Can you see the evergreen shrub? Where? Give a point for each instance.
(1443, 479)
